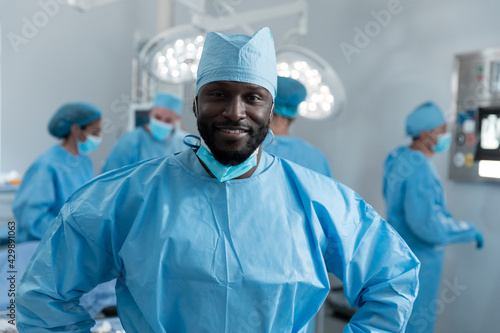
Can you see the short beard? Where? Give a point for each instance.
(234, 157)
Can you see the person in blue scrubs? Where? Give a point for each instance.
(416, 207)
(57, 173)
(290, 94)
(223, 237)
(160, 137)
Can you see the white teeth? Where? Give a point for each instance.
(231, 131)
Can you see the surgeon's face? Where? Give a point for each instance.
(94, 128)
(437, 132)
(233, 118)
(165, 115)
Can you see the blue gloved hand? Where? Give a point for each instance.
(479, 240)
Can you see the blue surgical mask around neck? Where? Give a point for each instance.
(90, 144)
(444, 142)
(159, 129)
(223, 172)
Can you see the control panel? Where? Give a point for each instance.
(475, 153)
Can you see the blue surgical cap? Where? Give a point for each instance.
(425, 117)
(80, 114)
(239, 58)
(290, 94)
(168, 101)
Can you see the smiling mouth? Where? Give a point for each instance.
(232, 131)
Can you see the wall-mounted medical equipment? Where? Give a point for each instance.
(475, 150)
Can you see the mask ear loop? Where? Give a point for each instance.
(197, 140)
(187, 142)
(269, 131)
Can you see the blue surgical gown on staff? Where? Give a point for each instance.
(139, 145)
(191, 254)
(99, 298)
(47, 184)
(416, 208)
(301, 152)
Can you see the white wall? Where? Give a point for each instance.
(71, 56)
(87, 57)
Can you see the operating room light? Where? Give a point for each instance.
(177, 61)
(325, 92)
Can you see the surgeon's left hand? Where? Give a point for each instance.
(479, 240)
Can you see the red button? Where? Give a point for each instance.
(470, 139)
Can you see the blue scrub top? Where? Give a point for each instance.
(49, 181)
(139, 145)
(301, 152)
(416, 207)
(192, 254)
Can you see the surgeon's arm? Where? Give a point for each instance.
(34, 204)
(378, 270)
(426, 214)
(66, 265)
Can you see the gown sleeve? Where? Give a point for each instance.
(426, 213)
(378, 270)
(69, 262)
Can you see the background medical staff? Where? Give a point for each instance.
(290, 94)
(59, 171)
(160, 137)
(416, 207)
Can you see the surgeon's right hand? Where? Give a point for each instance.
(479, 240)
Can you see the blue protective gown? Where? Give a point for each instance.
(191, 254)
(301, 152)
(99, 298)
(416, 208)
(47, 184)
(139, 145)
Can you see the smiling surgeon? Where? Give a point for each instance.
(221, 237)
